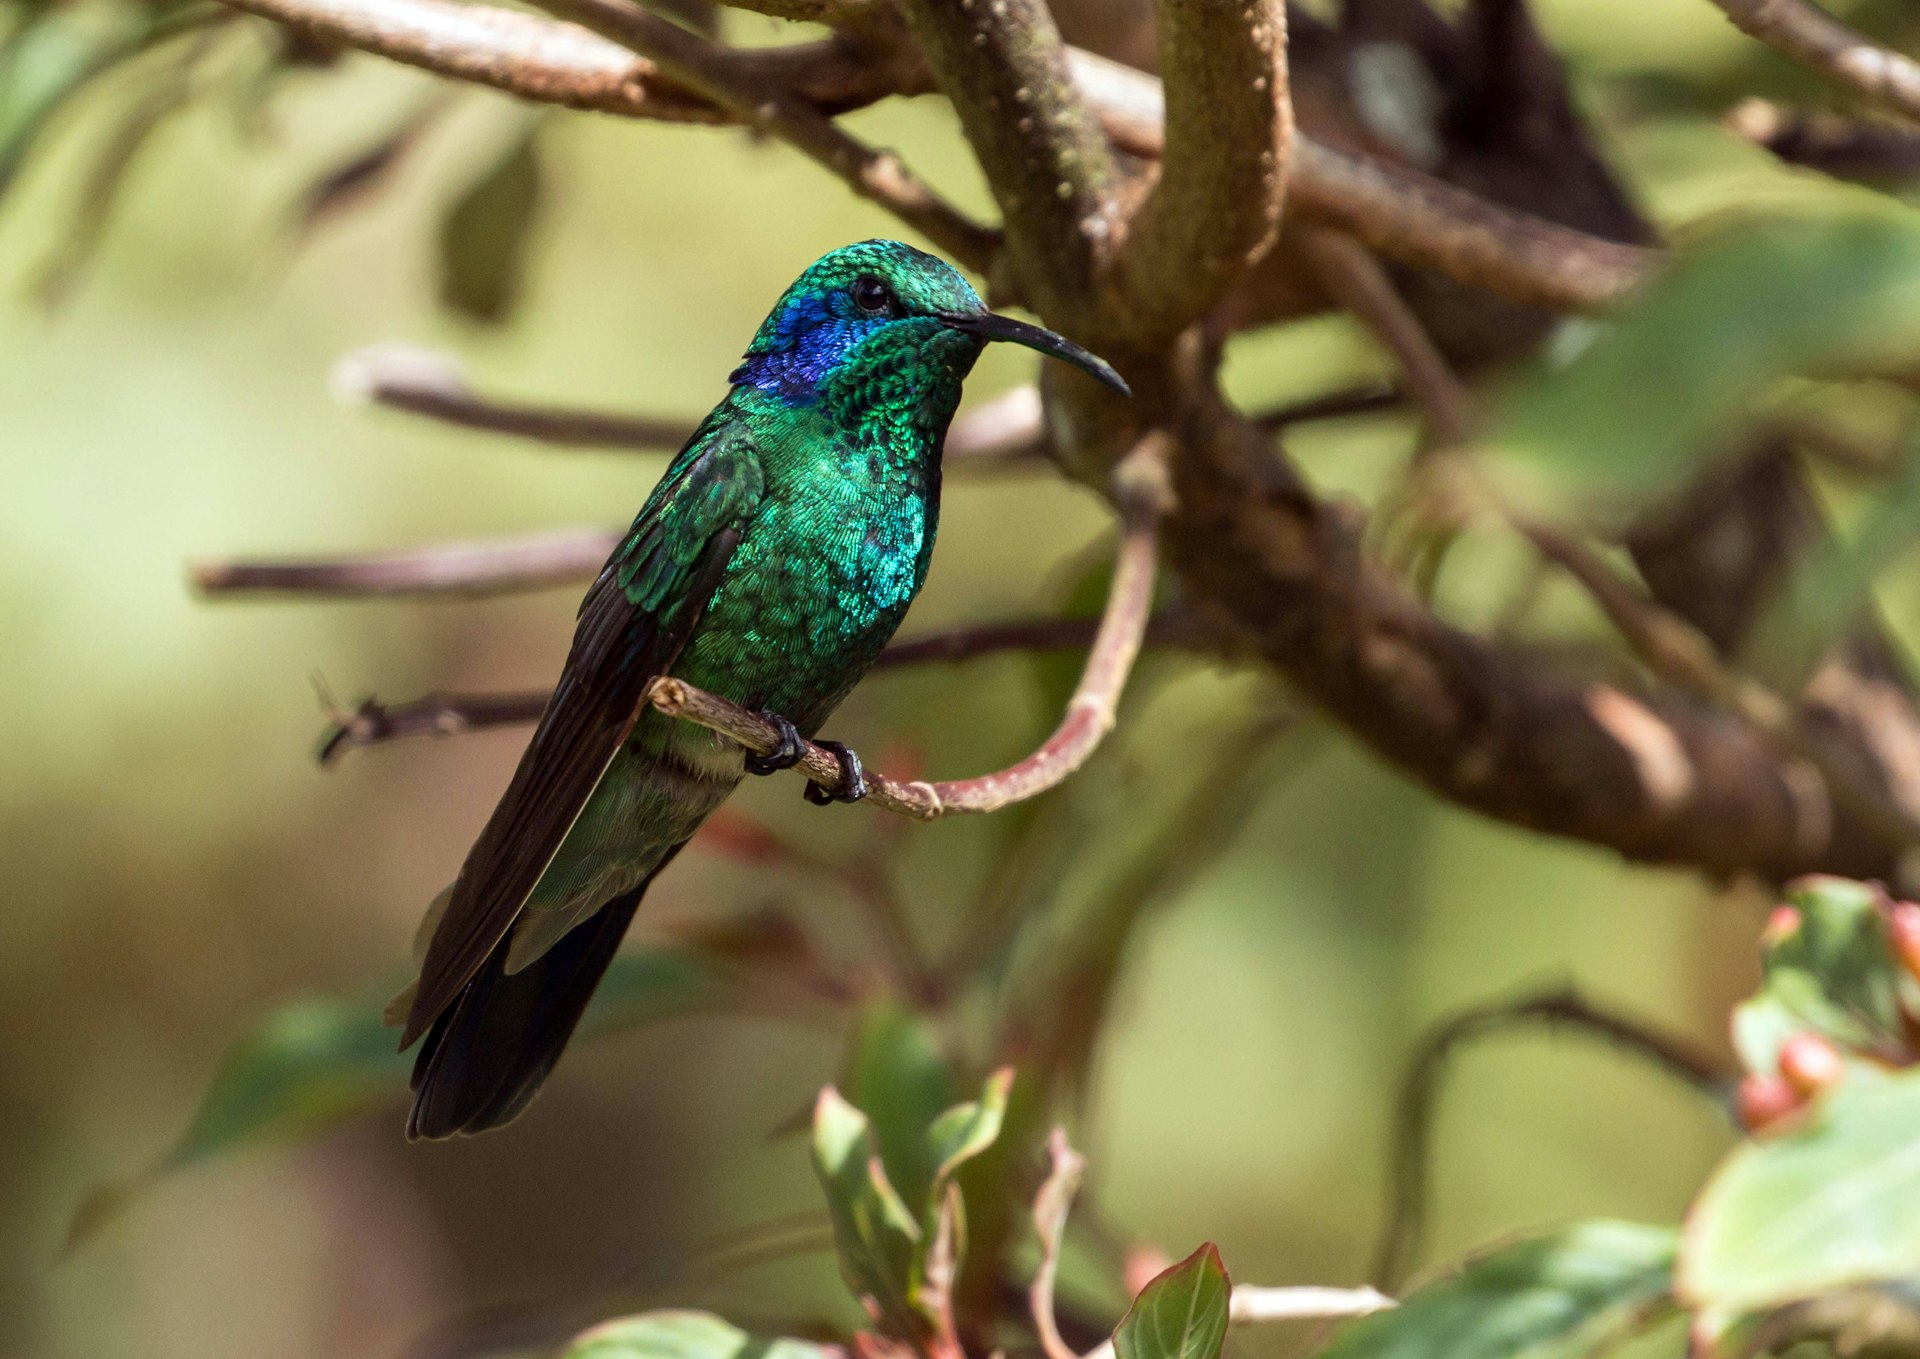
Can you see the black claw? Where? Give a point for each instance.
(853, 778)
(785, 755)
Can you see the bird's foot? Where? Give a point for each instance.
(853, 778)
(783, 756)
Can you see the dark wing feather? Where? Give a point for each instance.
(633, 623)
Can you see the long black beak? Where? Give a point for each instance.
(989, 326)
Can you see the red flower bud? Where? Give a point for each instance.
(1811, 1064)
(1763, 1101)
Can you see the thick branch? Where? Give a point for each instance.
(1141, 492)
(1814, 38)
(786, 114)
(1005, 69)
(1405, 215)
(465, 569)
(1215, 208)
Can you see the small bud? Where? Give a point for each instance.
(1811, 1064)
(1763, 1101)
(1143, 1264)
(1903, 930)
(1781, 926)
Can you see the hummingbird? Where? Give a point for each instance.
(770, 566)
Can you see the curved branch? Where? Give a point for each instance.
(1141, 493)
(1215, 208)
(1805, 33)
(1405, 215)
(1420, 1092)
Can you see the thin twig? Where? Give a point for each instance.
(1349, 271)
(1419, 1093)
(879, 176)
(1142, 496)
(1050, 1208)
(373, 723)
(1805, 33)
(468, 570)
(430, 383)
(1008, 429)
(1865, 150)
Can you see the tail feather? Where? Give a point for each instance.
(487, 1054)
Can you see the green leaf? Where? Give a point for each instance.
(1654, 393)
(1181, 1314)
(686, 1335)
(1561, 1296)
(898, 1073)
(875, 1237)
(1833, 973)
(315, 1062)
(966, 1130)
(1826, 1205)
(484, 239)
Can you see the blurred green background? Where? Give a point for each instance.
(177, 864)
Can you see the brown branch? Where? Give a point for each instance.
(1671, 647)
(1405, 215)
(1803, 32)
(375, 723)
(1005, 430)
(464, 569)
(1050, 169)
(1356, 280)
(428, 383)
(782, 112)
(1141, 491)
(505, 49)
(1858, 149)
(1215, 208)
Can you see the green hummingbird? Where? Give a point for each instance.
(770, 565)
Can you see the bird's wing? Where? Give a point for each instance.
(633, 623)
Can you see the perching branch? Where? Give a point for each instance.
(374, 723)
(468, 570)
(1420, 1093)
(1142, 496)
(1809, 35)
(1215, 207)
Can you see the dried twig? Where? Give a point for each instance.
(429, 383)
(1050, 1208)
(1420, 1092)
(1868, 150)
(1809, 35)
(467, 570)
(374, 723)
(1141, 492)
(781, 112)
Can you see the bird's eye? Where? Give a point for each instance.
(872, 296)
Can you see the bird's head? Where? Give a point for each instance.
(883, 322)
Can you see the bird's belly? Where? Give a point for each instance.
(804, 613)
